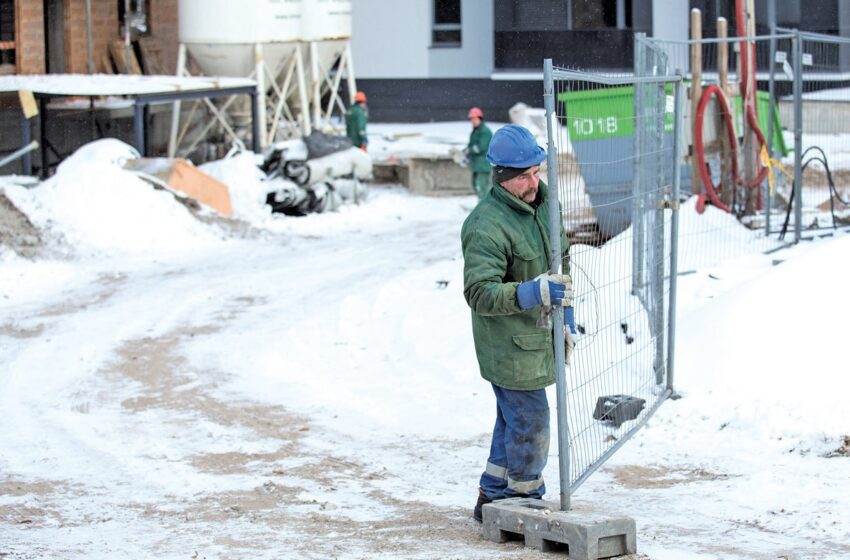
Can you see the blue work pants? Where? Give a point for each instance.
(520, 445)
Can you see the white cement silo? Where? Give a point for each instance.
(221, 34)
(290, 47)
(326, 28)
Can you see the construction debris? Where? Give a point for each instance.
(184, 179)
(316, 174)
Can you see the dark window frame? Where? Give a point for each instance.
(446, 34)
(8, 37)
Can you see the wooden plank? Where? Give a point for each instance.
(116, 49)
(105, 65)
(152, 56)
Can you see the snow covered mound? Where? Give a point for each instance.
(244, 180)
(763, 360)
(97, 206)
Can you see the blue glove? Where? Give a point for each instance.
(570, 320)
(570, 333)
(544, 290)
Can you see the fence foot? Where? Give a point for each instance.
(578, 534)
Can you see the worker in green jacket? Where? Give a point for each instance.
(355, 121)
(506, 282)
(476, 151)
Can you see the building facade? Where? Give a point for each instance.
(51, 36)
(423, 60)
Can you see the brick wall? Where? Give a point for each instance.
(29, 36)
(29, 32)
(104, 30)
(163, 27)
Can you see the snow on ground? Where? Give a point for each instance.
(172, 391)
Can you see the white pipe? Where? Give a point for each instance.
(176, 106)
(260, 75)
(302, 92)
(352, 82)
(317, 98)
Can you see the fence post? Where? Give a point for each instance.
(555, 225)
(674, 231)
(798, 135)
(771, 90)
(657, 234)
(637, 222)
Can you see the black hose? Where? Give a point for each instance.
(833, 192)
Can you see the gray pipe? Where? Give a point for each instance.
(798, 136)
(771, 16)
(89, 46)
(674, 232)
(20, 152)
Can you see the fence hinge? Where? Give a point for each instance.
(668, 204)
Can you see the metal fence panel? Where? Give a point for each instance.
(714, 237)
(825, 130)
(612, 143)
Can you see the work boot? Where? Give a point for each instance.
(482, 499)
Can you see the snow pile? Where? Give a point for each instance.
(245, 182)
(96, 205)
(763, 358)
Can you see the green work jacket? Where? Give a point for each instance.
(355, 125)
(506, 241)
(479, 142)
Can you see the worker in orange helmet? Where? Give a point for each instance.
(476, 151)
(355, 121)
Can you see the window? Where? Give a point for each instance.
(577, 33)
(7, 36)
(446, 29)
(137, 17)
(603, 14)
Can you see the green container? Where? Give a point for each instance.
(609, 112)
(605, 113)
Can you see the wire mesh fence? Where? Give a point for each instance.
(753, 215)
(613, 137)
(803, 101)
(624, 145)
(825, 130)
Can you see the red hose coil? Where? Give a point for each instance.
(750, 110)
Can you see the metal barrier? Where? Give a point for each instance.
(803, 105)
(619, 204)
(822, 104)
(619, 149)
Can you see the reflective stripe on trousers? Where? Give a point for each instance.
(517, 486)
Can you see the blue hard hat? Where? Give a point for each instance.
(515, 146)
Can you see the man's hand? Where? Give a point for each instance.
(546, 289)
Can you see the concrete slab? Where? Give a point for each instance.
(439, 176)
(580, 534)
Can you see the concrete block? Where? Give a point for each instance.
(580, 534)
(439, 176)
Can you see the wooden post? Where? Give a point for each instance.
(727, 188)
(696, 93)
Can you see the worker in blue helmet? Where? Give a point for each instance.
(506, 282)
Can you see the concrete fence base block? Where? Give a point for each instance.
(580, 535)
